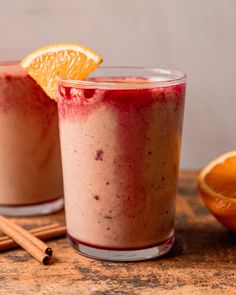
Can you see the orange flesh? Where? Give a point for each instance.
(71, 61)
(222, 178)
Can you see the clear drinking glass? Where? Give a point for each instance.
(30, 161)
(120, 133)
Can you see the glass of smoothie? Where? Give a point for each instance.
(30, 162)
(120, 133)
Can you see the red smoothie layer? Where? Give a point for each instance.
(81, 101)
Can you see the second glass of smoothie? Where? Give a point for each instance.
(120, 135)
(30, 162)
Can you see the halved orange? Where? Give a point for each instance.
(217, 185)
(68, 60)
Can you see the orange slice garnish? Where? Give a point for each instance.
(67, 60)
(217, 185)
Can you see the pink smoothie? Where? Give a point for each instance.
(120, 157)
(30, 165)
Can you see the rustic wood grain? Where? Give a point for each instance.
(203, 260)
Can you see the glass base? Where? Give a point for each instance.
(34, 209)
(123, 255)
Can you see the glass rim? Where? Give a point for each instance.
(180, 78)
(10, 65)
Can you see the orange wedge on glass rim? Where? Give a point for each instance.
(68, 60)
(217, 185)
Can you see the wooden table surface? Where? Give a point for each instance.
(203, 260)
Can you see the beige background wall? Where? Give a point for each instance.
(198, 37)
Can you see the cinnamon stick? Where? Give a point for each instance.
(31, 244)
(32, 231)
(45, 234)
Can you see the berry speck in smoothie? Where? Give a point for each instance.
(97, 197)
(99, 155)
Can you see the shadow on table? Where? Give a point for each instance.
(204, 244)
